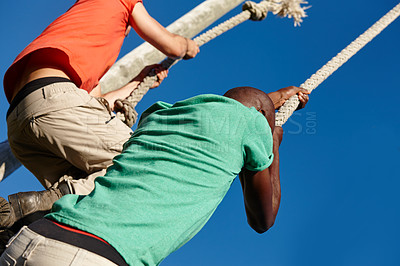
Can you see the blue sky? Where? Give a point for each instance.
(339, 157)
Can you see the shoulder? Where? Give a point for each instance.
(130, 4)
(158, 106)
(211, 100)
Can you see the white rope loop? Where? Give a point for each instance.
(316, 79)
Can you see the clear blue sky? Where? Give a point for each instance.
(339, 158)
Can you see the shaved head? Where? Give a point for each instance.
(252, 97)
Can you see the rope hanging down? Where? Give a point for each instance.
(322, 74)
(125, 109)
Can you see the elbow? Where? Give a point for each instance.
(260, 230)
(262, 226)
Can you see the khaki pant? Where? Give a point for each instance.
(60, 133)
(30, 248)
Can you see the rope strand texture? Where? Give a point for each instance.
(316, 79)
(125, 109)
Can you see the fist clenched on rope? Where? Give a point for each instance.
(152, 70)
(127, 90)
(192, 49)
(279, 97)
(125, 104)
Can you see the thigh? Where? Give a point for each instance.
(86, 136)
(82, 186)
(39, 160)
(74, 140)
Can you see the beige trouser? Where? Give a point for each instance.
(62, 134)
(30, 248)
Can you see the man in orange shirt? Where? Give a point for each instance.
(57, 126)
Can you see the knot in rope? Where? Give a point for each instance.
(251, 10)
(125, 109)
(257, 12)
(126, 112)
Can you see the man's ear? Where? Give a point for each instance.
(262, 112)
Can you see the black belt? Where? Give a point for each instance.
(31, 87)
(49, 229)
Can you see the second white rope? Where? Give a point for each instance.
(316, 79)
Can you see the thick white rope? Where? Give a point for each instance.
(284, 8)
(316, 79)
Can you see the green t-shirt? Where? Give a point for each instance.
(172, 174)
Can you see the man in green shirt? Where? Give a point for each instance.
(171, 176)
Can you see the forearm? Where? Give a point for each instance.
(279, 97)
(177, 48)
(121, 93)
(276, 98)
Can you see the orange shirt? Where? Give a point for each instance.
(90, 34)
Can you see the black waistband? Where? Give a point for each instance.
(49, 229)
(31, 87)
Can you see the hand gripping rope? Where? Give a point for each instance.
(322, 74)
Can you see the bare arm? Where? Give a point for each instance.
(126, 90)
(262, 191)
(170, 44)
(279, 97)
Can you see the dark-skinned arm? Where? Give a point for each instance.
(262, 191)
(279, 97)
